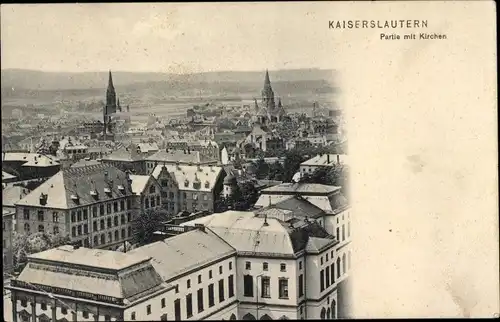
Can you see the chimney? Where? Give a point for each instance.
(328, 158)
(265, 220)
(201, 227)
(106, 176)
(338, 158)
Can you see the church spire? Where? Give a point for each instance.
(267, 81)
(110, 82)
(279, 102)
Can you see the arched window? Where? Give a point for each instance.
(328, 314)
(233, 317)
(265, 317)
(117, 237)
(129, 231)
(323, 313)
(41, 229)
(334, 309)
(96, 240)
(338, 268)
(26, 228)
(103, 239)
(249, 316)
(123, 219)
(116, 221)
(123, 233)
(344, 262)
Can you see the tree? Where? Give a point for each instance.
(146, 224)
(276, 171)
(262, 169)
(24, 245)
(293, 159)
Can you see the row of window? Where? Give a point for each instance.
(152, 202)
(265, 266)
(343, 231)
(117, 237)
(41, 229)
(327, 275)
(64, 310)
(248, 286)
(200, 300)
(210, 275)
(110, 221)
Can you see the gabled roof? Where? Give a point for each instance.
(139, 183)
(12, 194)
(187, 175)
(62, 188)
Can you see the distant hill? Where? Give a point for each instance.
(21, 79)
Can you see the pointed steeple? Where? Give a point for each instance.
(110, 82)
(279, 102)
(267, 81)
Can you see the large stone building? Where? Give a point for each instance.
(322, 161)
(286, 269)
(29, 165)
(94, 205)
(174, 156)
(189, 187)
(227, 266)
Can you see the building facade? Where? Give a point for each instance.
(92, 205)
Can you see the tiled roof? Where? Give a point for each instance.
(301, 188)
(30, 159)
(322, 160)
(181, 156)
(91, 257)
(316, 244)
(187, 176)
(12, 194)
(148, 147)
(139, 183)
(7, 176)
(84, 277)
(249, 233)
(84, 163)
(176, 255)
(123, 154)
(62, 188)
(297, 207)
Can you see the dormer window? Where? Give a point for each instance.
(93, 193)
(121, 188)
(207, 184)
(186, 183)
(107, 190)
(74, 197)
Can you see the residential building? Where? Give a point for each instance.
(261, 138)
(184, 157)
(7, 177)
(189, 187)
(126, 159)
(322, 161)
(207, 148)
(92, 205)
(147, 193)
(29, 165)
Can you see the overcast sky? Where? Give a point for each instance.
(162, 37)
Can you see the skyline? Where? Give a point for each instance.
(166, 38)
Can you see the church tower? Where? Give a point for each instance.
(110, 107)
(267, 93)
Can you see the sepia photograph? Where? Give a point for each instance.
(192, 161)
